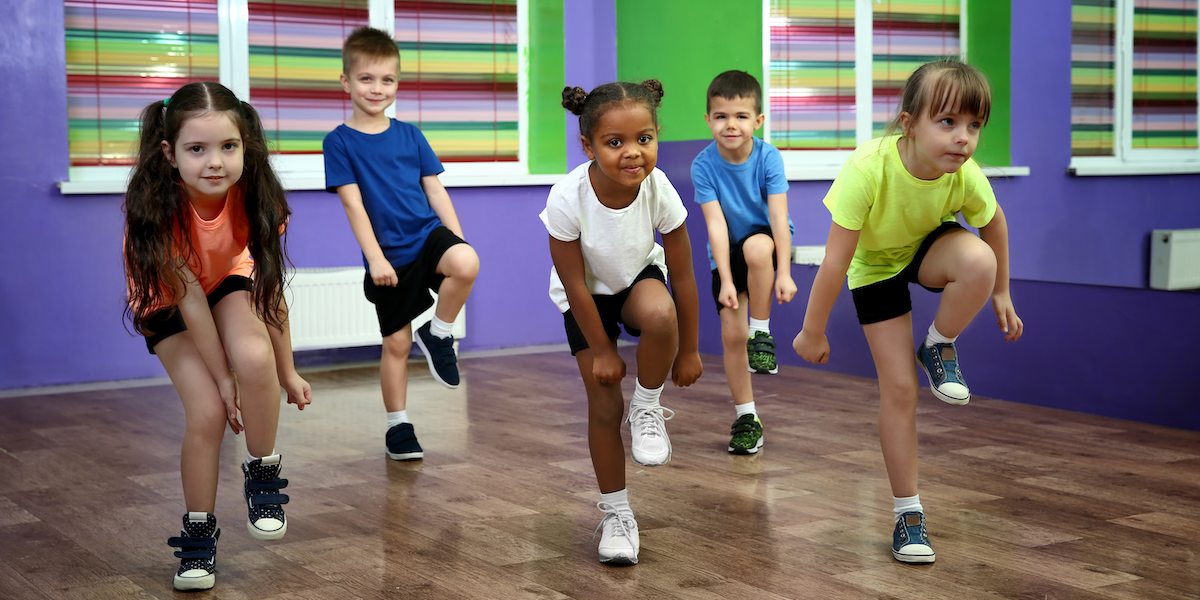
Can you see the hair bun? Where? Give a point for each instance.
(655, 87)
(573, 98)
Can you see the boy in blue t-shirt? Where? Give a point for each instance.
(742, 190)
(386, 175)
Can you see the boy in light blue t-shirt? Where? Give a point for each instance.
(742, 191)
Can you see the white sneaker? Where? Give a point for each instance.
(647, 426)
(619, 543)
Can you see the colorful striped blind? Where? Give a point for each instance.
(1164, 74)
(123, 55)
(1093, 72)
(458, 76)
(812, 74)
(907, 34)
(295, 61)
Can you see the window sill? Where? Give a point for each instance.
(292, 182)
(1117, 168)
(829, 172)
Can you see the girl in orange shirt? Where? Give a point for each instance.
(204, 216)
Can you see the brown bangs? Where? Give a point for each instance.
(959, 90)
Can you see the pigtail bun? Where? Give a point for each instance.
(573, 98)
(656, 89)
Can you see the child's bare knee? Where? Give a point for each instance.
(658, 318)
(758, 251)
(398, 345)
(253, 358)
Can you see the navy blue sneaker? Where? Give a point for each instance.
(940, 364)
(402, 443)
(263, 501)
(197, 552)
(910, 541)
(439, 353)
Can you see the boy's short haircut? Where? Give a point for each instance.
(735, 84)
(368, 42)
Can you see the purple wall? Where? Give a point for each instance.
(590, 59)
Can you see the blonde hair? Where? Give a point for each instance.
(944, 84)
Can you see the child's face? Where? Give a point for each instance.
(733, 121)
(372, 84)
(208, 154)
(624, 144)
(941, 143)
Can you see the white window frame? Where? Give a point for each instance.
(307, 171)
(1126, 159)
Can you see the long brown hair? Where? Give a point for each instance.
(158, 214)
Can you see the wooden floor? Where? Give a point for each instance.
(1022, 502)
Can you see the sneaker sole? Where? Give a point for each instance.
(188, 584)
(265, 536)
(941, 396)
(744, 451)
(619, 560)
(406, 456)
(913, 559)
(763, 371)
(429, 361)
(650, 464)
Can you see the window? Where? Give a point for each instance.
(1133, 87)
(461, 76)
(836, 67)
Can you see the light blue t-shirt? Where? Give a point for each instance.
(388, 168)
(741, 189)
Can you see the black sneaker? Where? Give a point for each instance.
(197, 552)
(265, 503)
(439, 353)
(402, 443)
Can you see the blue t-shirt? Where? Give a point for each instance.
(388, 168)
(741, 189)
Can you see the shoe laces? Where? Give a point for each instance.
(651, 420)
(621, 523)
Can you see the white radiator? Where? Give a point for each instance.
(1175, 259)
(327, 309)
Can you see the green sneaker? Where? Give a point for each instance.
(761, 351)
(747, 435)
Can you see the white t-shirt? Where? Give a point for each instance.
(617, 243)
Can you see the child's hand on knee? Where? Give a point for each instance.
(227, 387)
(728, 296)
(687, 369)
(785, 288)
(812, 348)
(608, 368)
(382, 273)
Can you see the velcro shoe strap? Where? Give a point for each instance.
(742, 428)
(449, 358)
(764, 346)
(191, 542)
(266, 484)
(201, 554)
(261, 499)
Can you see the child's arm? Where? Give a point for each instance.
(439, 200)
(381, 270)
(607, 366)
(995, 233)
(298, 390)
(687, 368)
(777, 209)
(811, 343)
(193, 305)
(718, 238)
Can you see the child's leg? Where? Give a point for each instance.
(459, 265)
(965, 266)
(734, 333)
(393, 369)
(206, 420)
(252, 356)
(606, 406)
(651, 309)
(759, 250)
(891, 345)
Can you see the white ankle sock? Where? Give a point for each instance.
(439, 328)
(935, 337)
(251, 458)
(909, 504)
(645, 396)
(745, 409)
(396, 418)
(763, 325)
(618, 500)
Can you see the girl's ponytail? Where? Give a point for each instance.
(656, 90)
(573, 99)
(267, 211)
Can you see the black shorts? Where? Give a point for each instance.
(169, 321)
(397, 306)
(889, 298)
(738, 269)
(609, 308)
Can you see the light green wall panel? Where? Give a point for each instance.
(989, 47)
(547, 130)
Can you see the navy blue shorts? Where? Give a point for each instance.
(889, 298)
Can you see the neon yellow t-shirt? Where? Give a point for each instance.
(893, 211)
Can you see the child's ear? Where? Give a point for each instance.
(758, 122)
(587, 147)
(169, 152)
(345, 81)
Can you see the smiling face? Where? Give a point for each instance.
(624, 146)
(733, 122)
(208, 154)
(941, 143)
(372, 85)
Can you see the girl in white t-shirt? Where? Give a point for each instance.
(608, 270)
